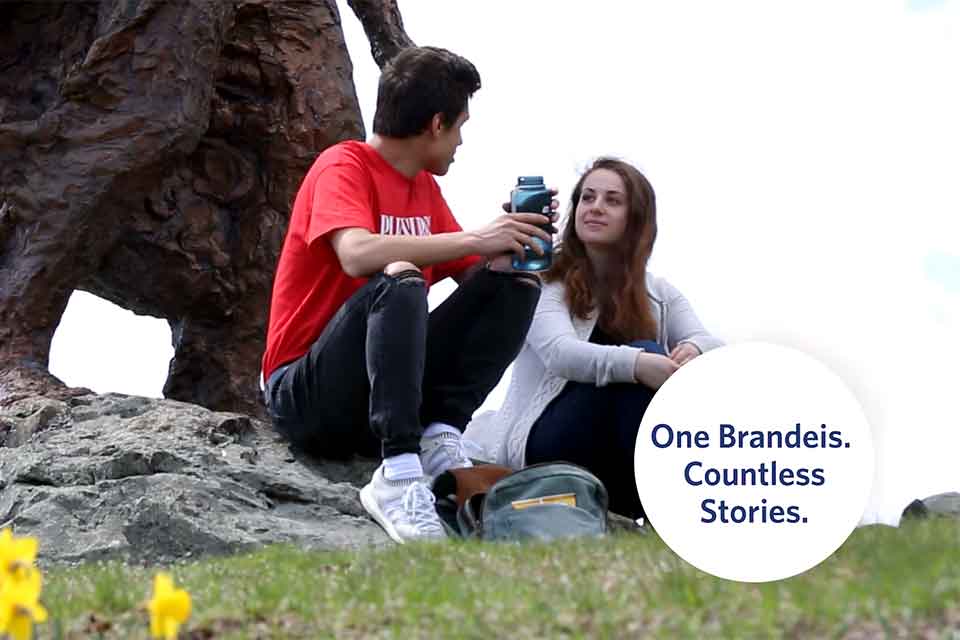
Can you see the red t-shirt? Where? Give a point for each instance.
(349, 185)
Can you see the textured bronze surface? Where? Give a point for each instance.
(150, 152)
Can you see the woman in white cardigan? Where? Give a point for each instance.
(605, 336)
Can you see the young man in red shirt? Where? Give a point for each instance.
(354, 363)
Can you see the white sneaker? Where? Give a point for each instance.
(441, 452)
(404, 508)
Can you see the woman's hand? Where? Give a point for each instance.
(653, 369)
(684, 353)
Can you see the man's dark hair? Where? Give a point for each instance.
(419, 83)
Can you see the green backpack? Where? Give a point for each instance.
(541, 502)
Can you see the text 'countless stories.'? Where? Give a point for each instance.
(765, 474)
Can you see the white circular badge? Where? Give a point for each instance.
(754, 462)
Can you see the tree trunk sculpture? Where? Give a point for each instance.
(150, 152)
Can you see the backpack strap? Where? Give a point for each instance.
(470, 516)
(463, 490)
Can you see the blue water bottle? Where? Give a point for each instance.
(531, 196)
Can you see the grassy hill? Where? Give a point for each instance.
(884, 582)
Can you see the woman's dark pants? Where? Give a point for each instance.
(596, 427)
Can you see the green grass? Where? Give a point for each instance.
(883, 582)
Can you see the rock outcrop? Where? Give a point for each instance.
(146, 480)
(941, 504)
(149, 481)
(149, 154)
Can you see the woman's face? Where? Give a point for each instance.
(601, 213)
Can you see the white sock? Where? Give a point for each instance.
(402, 467)
(436, 428)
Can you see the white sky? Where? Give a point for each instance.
(805, 158)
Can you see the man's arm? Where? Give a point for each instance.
(362, 253)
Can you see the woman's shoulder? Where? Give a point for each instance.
(656, 285)
(660, 289)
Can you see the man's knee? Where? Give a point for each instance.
(527, 278)
(403, 270)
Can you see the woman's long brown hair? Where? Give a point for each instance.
(625, 312)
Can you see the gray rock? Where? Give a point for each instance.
(942, 504)
(114, 476)
(947, 504)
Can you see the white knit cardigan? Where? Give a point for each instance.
(557, 349)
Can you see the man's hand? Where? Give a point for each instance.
(504, 260)
(653, 369)
(509, 233)
(684, 353)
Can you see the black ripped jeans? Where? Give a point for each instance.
(383, 368)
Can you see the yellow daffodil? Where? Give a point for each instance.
(168, 609)
(15, 552)
(19, 603)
